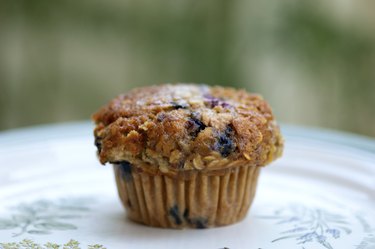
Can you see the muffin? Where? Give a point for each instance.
(187, 155)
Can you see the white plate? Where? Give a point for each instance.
(321, 194)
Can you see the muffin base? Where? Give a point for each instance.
(201, 201)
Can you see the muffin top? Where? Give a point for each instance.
(172, 128)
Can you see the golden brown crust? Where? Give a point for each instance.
(185, 126)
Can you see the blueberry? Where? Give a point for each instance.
(160, 117)
(198, 222)
(186, 215)
(225, 105)
(129, 203)
(224, 142)
(212, 101)
(179, 105)
(194, 125)
(175, 213)
(126, 170)
(225, 145)
(98, 143)
(180, 164)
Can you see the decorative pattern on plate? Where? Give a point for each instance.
(309, 225)
(44, 216)
(368, 241)
(30, 244)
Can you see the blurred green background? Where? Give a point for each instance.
(314, 61)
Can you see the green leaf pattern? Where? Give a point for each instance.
(7, 224)
(45, 216)
(30, 244)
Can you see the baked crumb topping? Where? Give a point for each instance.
(171, 128)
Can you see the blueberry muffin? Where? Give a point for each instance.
(187, 155)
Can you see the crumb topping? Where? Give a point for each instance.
(181, 127)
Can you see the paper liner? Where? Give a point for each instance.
(199, 202)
